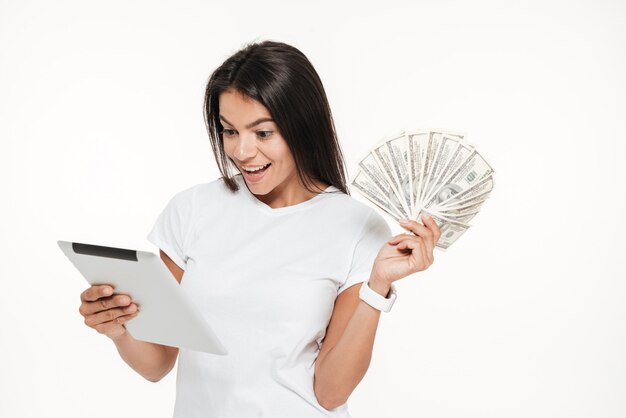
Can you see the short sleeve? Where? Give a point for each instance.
(373, 236)
(171, 229)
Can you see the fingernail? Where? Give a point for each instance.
(404, 221)
(107, 291)
(425, 216)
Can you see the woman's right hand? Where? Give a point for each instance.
(105, 311)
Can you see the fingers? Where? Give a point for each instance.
(427, 235)
(419, 230)
(419, 250)
(110, 315)
(105, 311)
(95, 292)
(430, 222)
(411, 243)
(102, 304)
(114, 327)
(429, 230)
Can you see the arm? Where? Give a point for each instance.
(107, 313)
(346, 352)
(152, 361)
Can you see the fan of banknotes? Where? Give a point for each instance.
(437, 172)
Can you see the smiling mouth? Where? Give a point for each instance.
(257, 170)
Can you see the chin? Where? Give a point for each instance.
(258, 192)
(259, 189)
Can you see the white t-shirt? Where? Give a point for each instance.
(266, 279)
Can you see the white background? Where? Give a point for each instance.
(101, 124)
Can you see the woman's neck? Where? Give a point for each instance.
(284, 195)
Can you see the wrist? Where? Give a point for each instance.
(120, 338)
(379, 294)
(379, 286)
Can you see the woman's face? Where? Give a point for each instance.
(252, 141)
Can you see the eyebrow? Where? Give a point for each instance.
(256, 122)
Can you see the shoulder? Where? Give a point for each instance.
(214, 187)
(360, 215)
(205, 190)
(345, 203)
(207, 197)
(188, 199)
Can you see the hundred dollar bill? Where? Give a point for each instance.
(471, 171)
(451, 230)
(399, 153)
(434, 171)
(369, 165)
(461, 219)
(459, 155)
(427, 157)
(461, 212)
(449, 196)
(444, 131)
(417, 141)
(386, 165)
(447, 145)
(371, 192)
(464, 219)
(463, 204)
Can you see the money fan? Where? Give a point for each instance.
(437, 172)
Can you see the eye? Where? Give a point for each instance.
(228, 132)
(264, 134)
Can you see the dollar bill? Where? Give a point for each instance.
(469, 203)
(460, 154)
(369, 165)
(399, 153)
(451, 230)
(388, 167)
(416, 141)
(370, 191)
(434, 171)
(428, 155)
(450, 198)
(471, 171)
(444, 157)
(462, 212)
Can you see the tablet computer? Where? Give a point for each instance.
(166, 315)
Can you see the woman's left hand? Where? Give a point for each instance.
(405, 254)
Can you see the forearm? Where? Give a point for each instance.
(152, 361)
(347, 362)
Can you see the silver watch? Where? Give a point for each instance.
(376, 300)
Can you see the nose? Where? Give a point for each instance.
(245, 149)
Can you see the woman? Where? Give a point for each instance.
(274, 255)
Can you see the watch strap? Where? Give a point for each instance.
(376, 300)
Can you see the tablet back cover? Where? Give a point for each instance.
(166, 315)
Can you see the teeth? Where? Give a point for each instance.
(252, 170)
